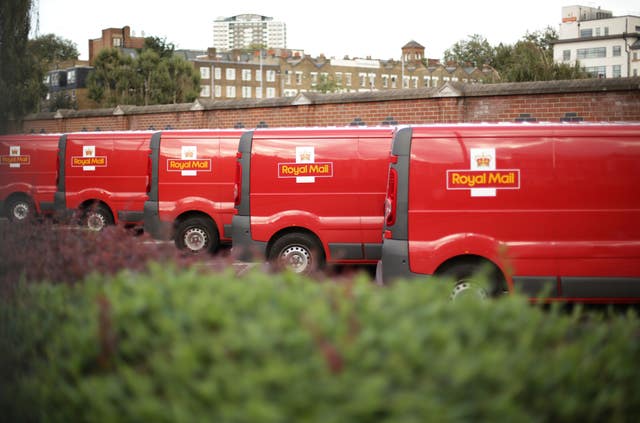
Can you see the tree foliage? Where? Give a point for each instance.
(51, 49)
(529, 59)
(20, 78)
(476, 51)
(154, 76)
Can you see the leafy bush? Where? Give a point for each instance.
(171, 345)
(65, 254)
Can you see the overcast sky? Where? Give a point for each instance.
(336, 28)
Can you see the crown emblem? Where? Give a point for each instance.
(188, 154)
(15, 151)
(483, 160)
(305, 156)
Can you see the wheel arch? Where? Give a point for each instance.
(477, 261)
(291, 230)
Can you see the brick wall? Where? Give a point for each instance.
(553, 101)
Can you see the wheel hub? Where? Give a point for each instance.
(96, 222)
(195, 239)
(466, 288)
(21, 211)
(296, 258)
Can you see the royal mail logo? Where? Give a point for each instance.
(189, 164)
(202, 165)
(473, 179)
(88, 163)
(296, 170)
(482, 178)
(305, 169)
(15, 160)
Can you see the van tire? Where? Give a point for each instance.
(478, 277)
(197, 235)
(20, 209)
(96, 217)
(298, 252)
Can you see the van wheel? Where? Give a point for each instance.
(20, 209)
(197, 235)
(476, 278)
(97, 217)
(297, 252)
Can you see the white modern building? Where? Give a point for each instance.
(243, 31)
(607, 46)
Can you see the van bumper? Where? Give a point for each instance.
(395, 262)
(158, 229)
(243, 247)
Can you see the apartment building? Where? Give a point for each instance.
(606, 46)
(281, 72)
(243, 31)
(68, 86)
(119, 38)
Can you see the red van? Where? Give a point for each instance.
(104, 177)
(310, 196)
(191, 196)
(543, 208)
(28, 171)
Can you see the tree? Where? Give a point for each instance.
(51, 49)
(476, 51)
(112, 80)
(153, 77)
(326, 84)
(531, 59)
(20, 80)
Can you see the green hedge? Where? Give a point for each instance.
(188, 346)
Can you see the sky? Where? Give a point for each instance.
(335, 28)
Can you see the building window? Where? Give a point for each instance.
(592, 53)
(271, 92)
(606, 31)
(71, 77)
(566, 55)
(205, 90)
(347, 79)
(585, 33)
(298, 78)
(117, 42)
(425, 81)
(246, 74)
(246, 92)
(271, 75)
(231, 92)
(394, 81)
(596, 71)
(218, 73)
(372, 80)
(597, 31)
(258, 92)
(617, 51)
(434, 81)
(362, 78)
(204, 73)
(339, 79)
(287, 77)
(231, 74)
(385, 81)
(616, 71)
(314, 78)
(218, 90)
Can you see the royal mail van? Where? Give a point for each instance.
(104, 177)
(28, 171)
(548, 209)
(311, 196)
(191, 197)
